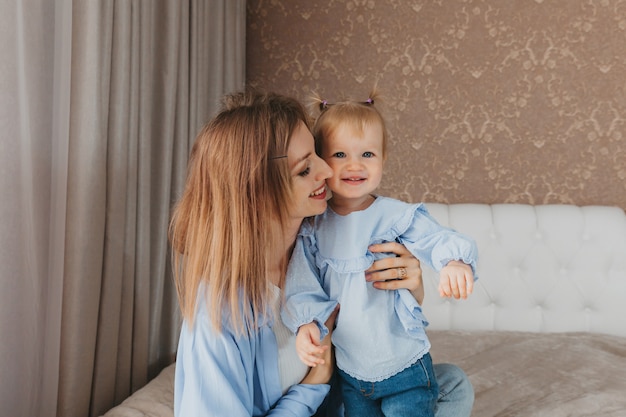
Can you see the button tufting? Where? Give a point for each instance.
(534, 274)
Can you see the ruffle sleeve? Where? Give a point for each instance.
(306, 300)
(431, 242)
(410, 314)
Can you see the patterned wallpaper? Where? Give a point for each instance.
(486, 101)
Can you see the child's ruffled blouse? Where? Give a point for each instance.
(378, 333)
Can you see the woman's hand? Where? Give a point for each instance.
(392, 273)
(321, 373)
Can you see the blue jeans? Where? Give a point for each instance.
(456, 394)
(412, 392)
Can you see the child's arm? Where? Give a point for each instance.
(305, 298)
(456, 279)
(453, 254)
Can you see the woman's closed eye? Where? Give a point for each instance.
(306, 171)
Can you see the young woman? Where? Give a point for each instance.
(253, 177)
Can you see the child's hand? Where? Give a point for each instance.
(308, 345)
(321, 374)
(456, 280)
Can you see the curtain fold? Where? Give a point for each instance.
(100, 107)
(27, 303)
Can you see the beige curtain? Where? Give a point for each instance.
(100, 103)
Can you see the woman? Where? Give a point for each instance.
(253, 177)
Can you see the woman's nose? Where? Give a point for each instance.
(324, 171)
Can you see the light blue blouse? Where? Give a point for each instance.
(378, 333)
(226, 374)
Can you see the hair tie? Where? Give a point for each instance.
(323, 105)
(369, 102)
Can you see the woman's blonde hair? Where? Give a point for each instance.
(357, 114)
(238, 189)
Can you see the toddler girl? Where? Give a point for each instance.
(381, 347)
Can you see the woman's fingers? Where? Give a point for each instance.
(402, 254)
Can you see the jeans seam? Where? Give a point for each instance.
(363, 391)
(425, 371)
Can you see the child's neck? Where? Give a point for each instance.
(344, 206)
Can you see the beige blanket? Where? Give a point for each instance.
(513, 373)
(539, 374)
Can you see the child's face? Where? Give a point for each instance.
(356, 160)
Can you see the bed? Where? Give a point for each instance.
(544, 333)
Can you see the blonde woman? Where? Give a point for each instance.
(253, 177)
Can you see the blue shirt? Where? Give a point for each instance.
(378, 333)
(226, 374)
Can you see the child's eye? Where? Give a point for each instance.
(368, 154)
(339, 155)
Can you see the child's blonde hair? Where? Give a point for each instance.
(238, 189)
(357, 114)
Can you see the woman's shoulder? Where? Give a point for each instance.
(227, 326)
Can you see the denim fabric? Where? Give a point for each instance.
(456, 393)
(455, 399)
(412, 392)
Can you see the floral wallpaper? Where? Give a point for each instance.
(517, 101)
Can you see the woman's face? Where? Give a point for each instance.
(309, 174)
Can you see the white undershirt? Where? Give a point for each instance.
(290, 367)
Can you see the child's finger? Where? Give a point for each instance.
(314, 358)
(470, 285)
(454, 289)
(461, 288)
(311, 361)
(444, 290)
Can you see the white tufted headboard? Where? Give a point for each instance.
(551, 268)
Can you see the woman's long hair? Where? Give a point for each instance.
(238, 189)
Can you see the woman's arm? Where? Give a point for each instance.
(221, 373)
(386, 273)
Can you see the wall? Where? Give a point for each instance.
(487, 101)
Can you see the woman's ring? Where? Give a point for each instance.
(402, 273)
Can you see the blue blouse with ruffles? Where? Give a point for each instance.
(378, 333)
